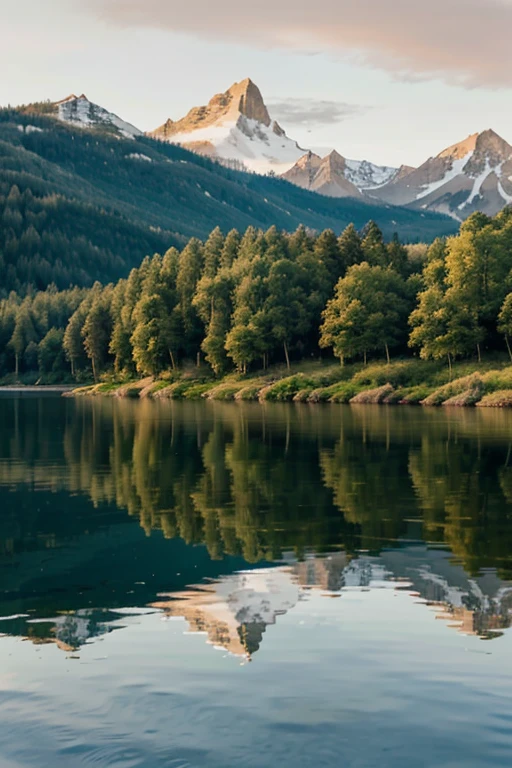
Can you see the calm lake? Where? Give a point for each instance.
(217, 585)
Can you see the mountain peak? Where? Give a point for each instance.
(334, 158)
(475, 174)
(82, 113)
(234, 126)
(489, 140)
(247, 99)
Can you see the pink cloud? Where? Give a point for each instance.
(461, 41)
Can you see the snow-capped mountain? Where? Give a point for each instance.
(336, 176)
(82, 113)
(234, 127)
(475, 174)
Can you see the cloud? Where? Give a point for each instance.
(309, 112)
(466, 42)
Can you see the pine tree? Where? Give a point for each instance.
(350, 249)
(327, 253)
(190, 268)
(374, 248)
(23, 333)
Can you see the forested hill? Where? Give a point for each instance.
(78, 205)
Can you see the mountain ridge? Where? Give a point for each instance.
(337, 176)
(236, 129)
(134, 196)
(474, 174)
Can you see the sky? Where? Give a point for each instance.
(391, 81)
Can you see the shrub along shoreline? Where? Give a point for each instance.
(404, 382)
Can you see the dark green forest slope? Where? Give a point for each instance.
(77, 206)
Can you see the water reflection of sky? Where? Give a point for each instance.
(361, 560)
(349, 681)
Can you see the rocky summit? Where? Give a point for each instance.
(236, 128)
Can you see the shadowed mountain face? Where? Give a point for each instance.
(230, 515)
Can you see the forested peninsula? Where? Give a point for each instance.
(273, 316)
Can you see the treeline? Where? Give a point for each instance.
(234, 301)
(242, 301)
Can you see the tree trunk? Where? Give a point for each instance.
(173, 362)
(364, 357)
(17, 369)
(198, 360)
(73, 367)
(479, 353)
(287, 356)
(508, 347)
(387, 354)
(450, 365)
(94, 369)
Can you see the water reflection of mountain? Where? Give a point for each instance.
(251, 484)
(234, 610)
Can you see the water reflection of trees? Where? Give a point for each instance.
(259, 481)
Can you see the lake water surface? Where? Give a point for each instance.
(216, 585)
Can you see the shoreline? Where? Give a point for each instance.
(27, 390)
(405, 382)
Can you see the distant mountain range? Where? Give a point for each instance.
(85, 196)
(236, 126)
(236, 129)
(335, 176)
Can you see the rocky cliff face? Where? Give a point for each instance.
(242, 99)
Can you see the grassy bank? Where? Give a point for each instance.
(404, 382)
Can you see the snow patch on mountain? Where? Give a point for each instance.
(82, 113)
(247, 141)
(477, 185)
(139, 156)
(30, 129)
(456, 169)
(505, 196)
(366, 176)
